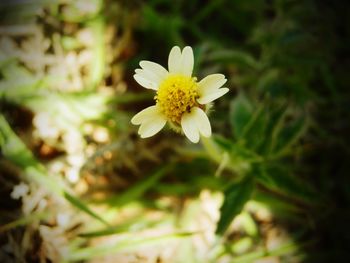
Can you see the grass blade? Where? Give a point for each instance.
(80, 205)
(125, 245)
(138, 189)
(17, 152)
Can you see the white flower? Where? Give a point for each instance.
(180, 99)
(19, 191)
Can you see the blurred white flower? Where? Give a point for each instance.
(63, 219)
(19, 191)
(73, 174)
(54, 243)
(180, 99)
(45, 126)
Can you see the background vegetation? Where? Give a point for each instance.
(78, 184)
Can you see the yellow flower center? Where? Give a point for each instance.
(176, 95)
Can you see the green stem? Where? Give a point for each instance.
(237, 166)
(23, 221)
(212, 149)
(97, 26)
(285, 249)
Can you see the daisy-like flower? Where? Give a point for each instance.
(180, 99)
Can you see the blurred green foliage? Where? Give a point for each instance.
(288, 112)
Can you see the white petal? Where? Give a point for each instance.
(187, 61)
(154, 67)
(212, 96)
(189, 127)
(211, 83)
(149, 75)
(202, 121)
(174, 60)
(151, 127)
(145, 115)
(144, 82)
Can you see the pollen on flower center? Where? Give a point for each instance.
(176, 95)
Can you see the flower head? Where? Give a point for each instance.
(180, 99)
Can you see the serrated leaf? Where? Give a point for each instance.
(255, 131)
(239, 58)
(235, 197)
(280, 208)
(241, 112)
(276, 122)
(289, 134)
(279, 179)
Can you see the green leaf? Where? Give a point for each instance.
(279, 179)
(80, 205)
(289, 134)
(239, 58)
(267, 79)
(134, 224)
(235, 197)
(23, 221)
(255, 131)
(223, 143)
(175, 188)
(238, 156)
(138, 189)
(17, 152)
(128, 244)
(276, 121)
(285, 248)
(13, 148)
(280, 207)
(18, 82)
(162, 25)
(97, 27)
(241, 112)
